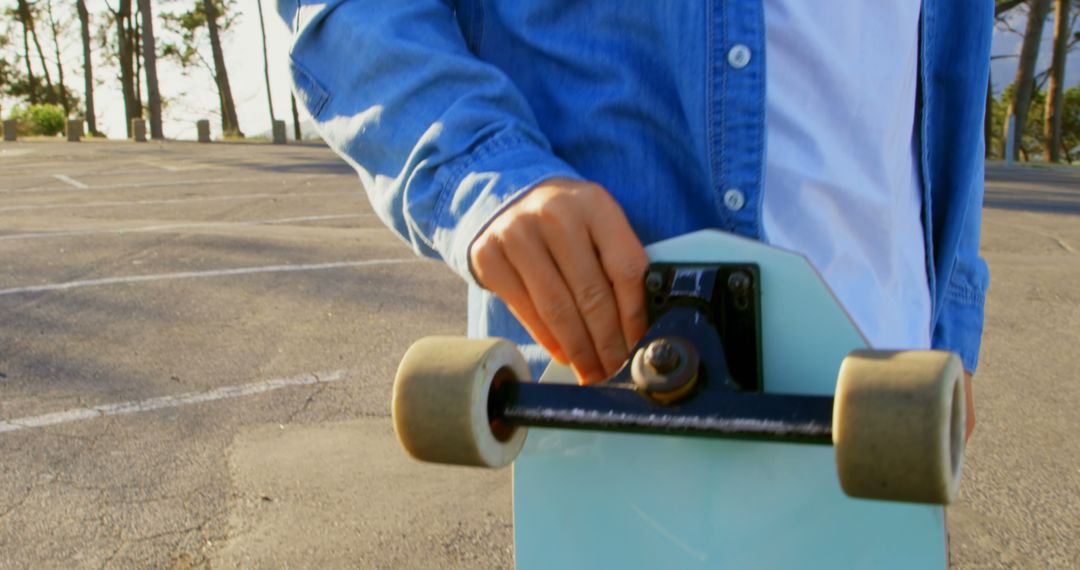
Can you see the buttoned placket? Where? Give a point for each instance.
(737, 100)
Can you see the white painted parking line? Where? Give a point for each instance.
(118, 203)
(71, 181)
(23, 171)
(169, 227)
(162, 183)
(132, 407)
(203, 274)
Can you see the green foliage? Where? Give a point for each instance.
(1032, 142)
(1032, 145)
(191, 27)
(17, 85)
(9, 74)
(47, 120)
(1070, 123)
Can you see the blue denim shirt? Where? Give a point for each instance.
(449, 111)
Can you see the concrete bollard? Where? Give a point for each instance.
(9, 130)
(138, 130)
(279, 132)
(203, 127)
(74, 130)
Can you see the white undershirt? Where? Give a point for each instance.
(841, 171)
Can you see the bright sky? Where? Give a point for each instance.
(195, 97)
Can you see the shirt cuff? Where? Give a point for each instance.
(477, 188)
(960, 327)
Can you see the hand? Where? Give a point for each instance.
(570, 268)
(970, 403)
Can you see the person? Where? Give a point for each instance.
(535, 145)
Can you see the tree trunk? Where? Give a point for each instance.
(28, 21)
(136, 61)
(229, 122)
(88, 71)
(54, 27)
(1025, 72)
(266, 65)
(988, 118)
(127, 79)
(295, 117)
(1055, 91)
(1002, 6)
(150, 64)
(24, 18)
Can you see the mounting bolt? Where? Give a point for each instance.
(661, 356)
(666, 370)
(654, 281)
(738, 283)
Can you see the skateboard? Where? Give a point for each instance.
(753, 427)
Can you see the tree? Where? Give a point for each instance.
(266, 64)
(1070, 123)
(1025, 74)
(212, 16)
(1002, 6)
(230, 124)
(125, 53)
(27, 15)
(23, 15)
(55, 28)
(150, 64)
(10, 74)
(88, 71)
(295, 117)
(1052, 127)
(1030, 139)
(134, 32)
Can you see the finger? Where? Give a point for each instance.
(625, 263)
(549, 294)
(495, 272)
(576, 257)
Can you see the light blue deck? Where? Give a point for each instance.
(593, 500)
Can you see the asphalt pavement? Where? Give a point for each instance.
(197, 345)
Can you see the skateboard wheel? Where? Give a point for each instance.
(440, 402)
(898, 425)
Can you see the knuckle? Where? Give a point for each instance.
(579, 353)
(559, 312)
(517, 232)
(557, 211)
(485, 253)
(593, 298)
(630, 269)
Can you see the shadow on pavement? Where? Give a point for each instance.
(1032, 190)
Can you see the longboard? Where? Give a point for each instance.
(600, 499)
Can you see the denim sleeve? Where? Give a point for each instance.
(960, 322)
(442, 141)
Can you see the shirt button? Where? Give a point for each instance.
(734, 200)
(738, 56)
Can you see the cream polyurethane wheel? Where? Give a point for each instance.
(898, 425)
(440, 403)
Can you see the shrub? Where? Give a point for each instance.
(47, 120)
